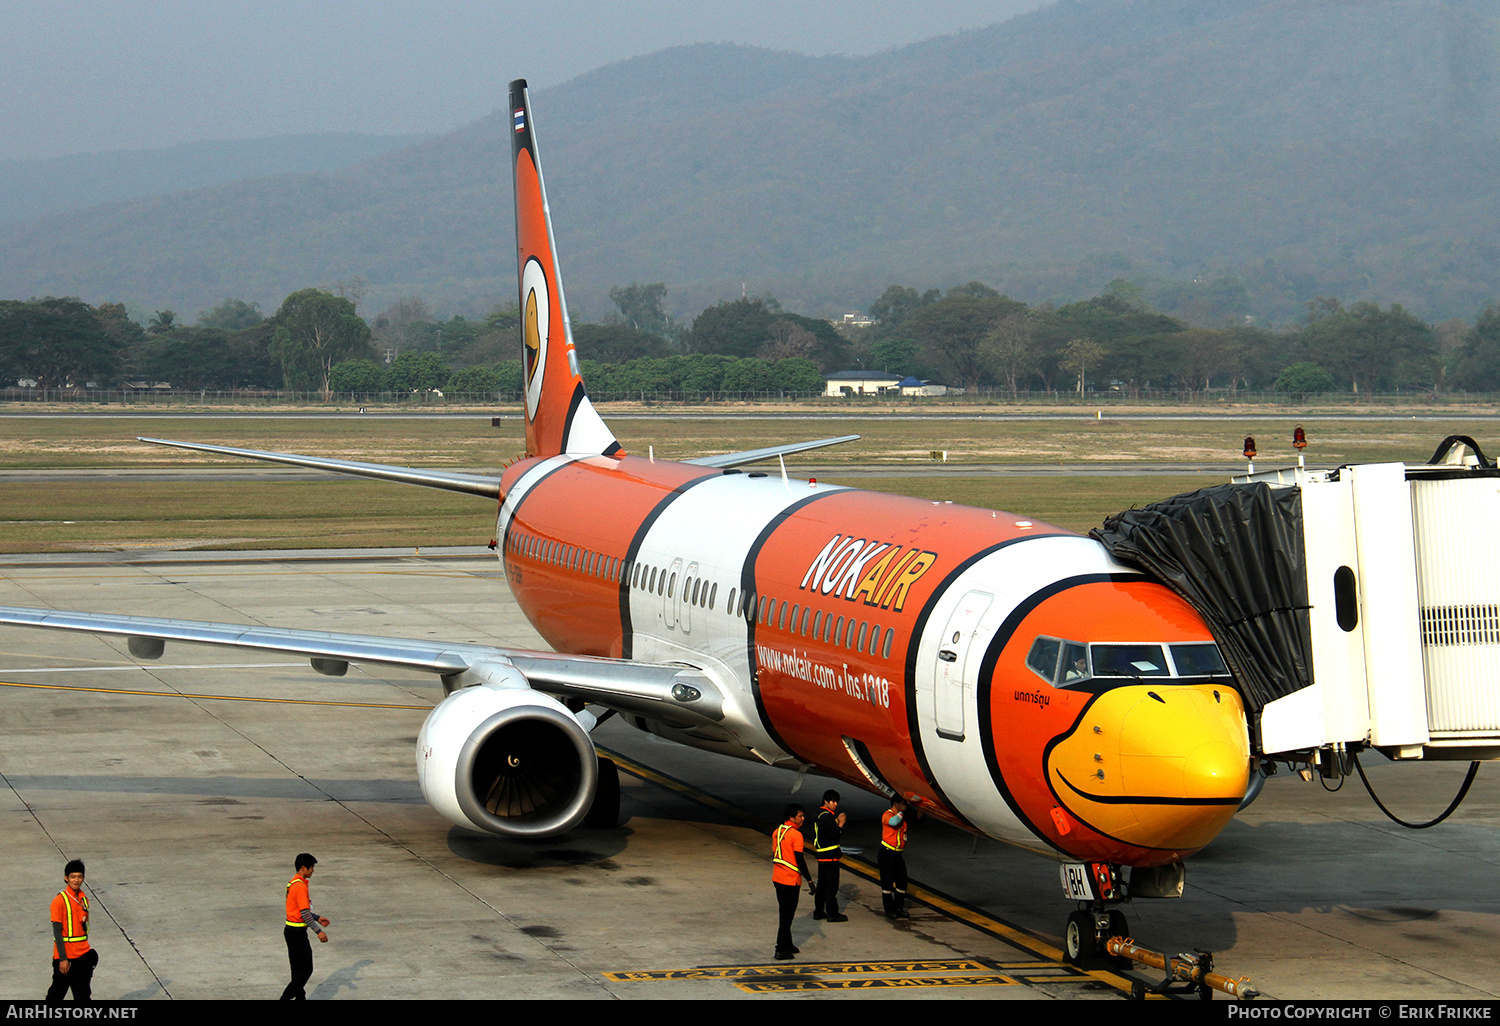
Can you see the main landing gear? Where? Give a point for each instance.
(604, 813)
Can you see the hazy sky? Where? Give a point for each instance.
(93, 75)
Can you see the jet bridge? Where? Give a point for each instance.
(1357, 607)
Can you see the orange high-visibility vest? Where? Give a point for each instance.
(296, 901)
(73, 913)
(892, 837)
(785, 843)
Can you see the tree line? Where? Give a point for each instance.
(978, 338)
(969, 337)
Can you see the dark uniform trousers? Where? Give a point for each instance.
(892, 880)
(299, 950)
(826, 897)
(80, 976)
(786, 906)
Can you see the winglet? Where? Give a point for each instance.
(559, 416)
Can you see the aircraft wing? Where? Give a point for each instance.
(676, 694)
(739, 459)
(453, 481)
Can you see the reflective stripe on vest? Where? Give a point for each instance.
(776, 843)
(70, 934)
(818, 834)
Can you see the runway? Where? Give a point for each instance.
(189, 784)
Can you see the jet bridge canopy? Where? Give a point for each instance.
(1235, 552)
(1356, 606)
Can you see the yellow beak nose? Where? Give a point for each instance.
(1155, 765)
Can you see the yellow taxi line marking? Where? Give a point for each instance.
(950, 907)
(919, 965)
(885, 983)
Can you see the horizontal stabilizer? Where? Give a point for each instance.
(474, 484)
(739, 459)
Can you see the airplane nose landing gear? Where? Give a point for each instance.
(1095, 886)
(1097, 936)
(1088, 932)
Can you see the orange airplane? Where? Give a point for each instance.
(1006, 676)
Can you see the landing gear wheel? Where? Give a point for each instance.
(1079, 939)
(604, 813)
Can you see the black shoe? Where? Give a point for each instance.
(901, 914)
(796, 950)
(819, 914)
(782, 956)
(837, 917)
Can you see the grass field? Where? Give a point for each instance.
(106, 513)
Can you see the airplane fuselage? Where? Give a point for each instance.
(895, 643)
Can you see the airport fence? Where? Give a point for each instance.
(436, 400)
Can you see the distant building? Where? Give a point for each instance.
(858, 382)
(915, 386)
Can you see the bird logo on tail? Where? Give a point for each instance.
(559, 417)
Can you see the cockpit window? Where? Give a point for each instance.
(1057, 661)
(1075, 662)
(1129, 661)
(1043, 658)
(1063, 663)
(1198, 661)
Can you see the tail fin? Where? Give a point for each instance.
(559, 416)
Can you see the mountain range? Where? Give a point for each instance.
(1303, 147)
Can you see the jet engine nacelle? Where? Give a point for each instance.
(503, 759)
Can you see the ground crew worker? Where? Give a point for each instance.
(892, 859)
(73, 961)
(788, 870)
(299, 919)
(828, 829)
